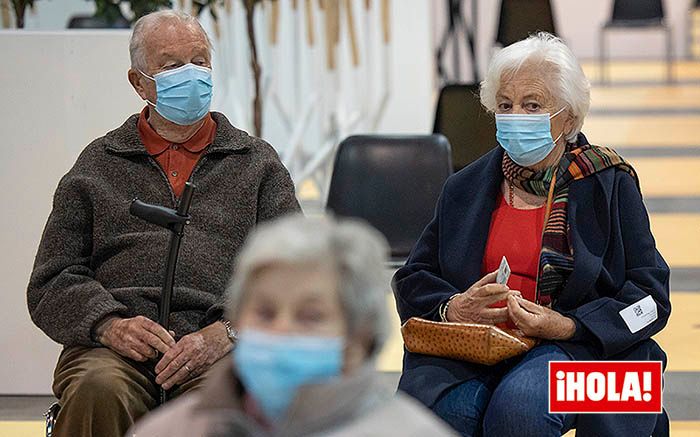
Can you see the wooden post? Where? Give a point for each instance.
(217, 27)
(255, 66)
(5, 13)
(335, 9)
(330, 32)
(274, 21)
(351, 32)
(309, 8)
(386, 21)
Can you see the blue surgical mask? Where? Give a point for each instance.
(273, 367)
(527, 138)
(183, 94)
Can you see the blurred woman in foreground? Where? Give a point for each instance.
(308, 299)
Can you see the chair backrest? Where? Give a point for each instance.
(392, 182)
(637, 10)
(470, 129)
(519, 18)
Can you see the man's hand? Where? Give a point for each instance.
(473, 306)
(193, 355)
(138, 338)
(538, 321)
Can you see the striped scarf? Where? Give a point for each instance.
(557, 255)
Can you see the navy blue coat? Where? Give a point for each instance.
(615, 264)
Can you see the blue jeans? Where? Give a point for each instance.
(511, 400)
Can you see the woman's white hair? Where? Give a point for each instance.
(570, 84)
(137, 52)
(357, 251)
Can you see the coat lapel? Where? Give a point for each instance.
(589, 219)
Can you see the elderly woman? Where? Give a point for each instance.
(569, 218)
(308, 301)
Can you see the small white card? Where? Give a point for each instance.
(640, 314)
(503, 272)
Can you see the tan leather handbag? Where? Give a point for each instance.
(473, 342)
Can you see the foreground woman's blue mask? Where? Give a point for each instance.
(273, 367)
(183, 94)
(527, 138)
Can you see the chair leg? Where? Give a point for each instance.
(51, 415)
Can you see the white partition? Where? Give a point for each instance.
(62, 89)
(59, 91)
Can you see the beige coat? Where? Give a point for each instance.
(354, 406)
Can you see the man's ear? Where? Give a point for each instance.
(135, 81)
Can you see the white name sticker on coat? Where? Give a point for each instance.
(640, 314)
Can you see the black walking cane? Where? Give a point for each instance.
(174, 220)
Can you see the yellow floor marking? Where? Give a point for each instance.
(391, 356)
(308, 190)
(677, 238)
(23, 428)
(642, 130)
(678, 429)
(680, 335)
(668, 177)
(672, 97)
(625, 71)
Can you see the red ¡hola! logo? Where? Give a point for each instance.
(605, 387)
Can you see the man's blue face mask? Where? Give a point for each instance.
(183, 94)
(527, 138)
(273, 367)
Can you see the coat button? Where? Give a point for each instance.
(174, 174)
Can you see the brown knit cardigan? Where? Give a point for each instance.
(95, 259)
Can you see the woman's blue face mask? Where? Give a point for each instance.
(183, 95)
(527, 138)
(273, 367)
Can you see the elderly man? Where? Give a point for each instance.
(97, 276)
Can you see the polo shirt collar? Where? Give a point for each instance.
(155, 144)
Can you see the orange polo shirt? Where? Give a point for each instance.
(176, 160)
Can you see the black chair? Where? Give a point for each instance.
(636, 14)
(392, 182)
(520, 18)
(470, 129)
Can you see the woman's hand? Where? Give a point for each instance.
(472, 306)
(193, 355)
(538, 321)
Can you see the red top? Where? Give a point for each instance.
(517, 235)
(176, 160)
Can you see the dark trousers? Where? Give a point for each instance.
(102, 393)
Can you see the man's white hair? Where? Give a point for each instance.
(356, 251)
(570, 84)
(143, 24)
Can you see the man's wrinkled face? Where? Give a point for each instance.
(169, 45)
